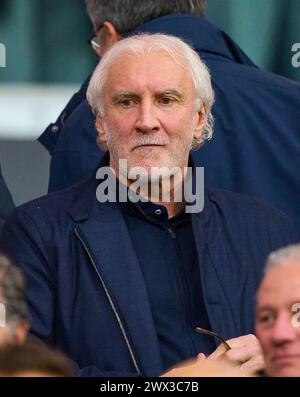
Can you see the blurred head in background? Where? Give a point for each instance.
(113, 19)
(14, 322)
(278, 312)
(33, 359)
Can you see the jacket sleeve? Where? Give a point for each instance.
(51, 135)
(22, 242)
(75, 159)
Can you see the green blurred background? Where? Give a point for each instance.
(46, 39)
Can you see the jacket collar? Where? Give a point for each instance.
(205, 37)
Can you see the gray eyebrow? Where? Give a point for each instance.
(121, 94)
(160, 92)
(170, 91)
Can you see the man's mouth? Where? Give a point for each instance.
(285, 359)
(148, 146)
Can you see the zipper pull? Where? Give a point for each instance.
(172, 233)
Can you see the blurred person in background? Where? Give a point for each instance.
(14, 324)
(278, 312)
(6, 203)
(256, 145)
(33, 359)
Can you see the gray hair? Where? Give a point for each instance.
(12, 292)
(283, 256)
(179, 51)
(126, 15)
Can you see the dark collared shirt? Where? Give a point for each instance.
(167, 255)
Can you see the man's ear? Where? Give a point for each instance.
(101, 138)
(200, 122)
(108, 36)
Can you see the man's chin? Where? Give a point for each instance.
(150, 164)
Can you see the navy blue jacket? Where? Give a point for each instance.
(6, 203)
(85, 286)
(256, 144)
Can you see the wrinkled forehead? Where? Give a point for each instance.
(157, 67)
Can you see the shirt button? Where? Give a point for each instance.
(55, 129)
(157, 212)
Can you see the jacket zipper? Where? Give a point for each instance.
(171, 232)
(111, 303)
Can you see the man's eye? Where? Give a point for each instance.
(266, 319)
(126, 103)
(166, 100)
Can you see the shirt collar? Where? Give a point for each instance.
(153, 212)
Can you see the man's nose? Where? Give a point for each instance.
(283, 330)
(147, 120)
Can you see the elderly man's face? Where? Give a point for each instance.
(278, 321)
(150, 115)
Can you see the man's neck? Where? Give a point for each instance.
(173, 208)
(168, 193)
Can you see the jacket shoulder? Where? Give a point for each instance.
(51, 205)
(246, 209)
